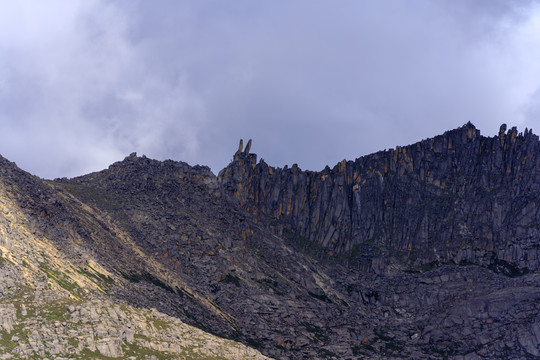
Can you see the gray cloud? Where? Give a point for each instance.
(84, 83)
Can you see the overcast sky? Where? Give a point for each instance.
(83, 83)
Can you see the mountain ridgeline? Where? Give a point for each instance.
(428, 251)
(458, 198)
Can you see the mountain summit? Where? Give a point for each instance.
(424, 251)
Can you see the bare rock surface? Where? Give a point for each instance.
(458, 197)
(55, 297)
(424, 251)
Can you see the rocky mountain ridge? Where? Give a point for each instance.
(56, 294)
(424, 251)
(455, 198)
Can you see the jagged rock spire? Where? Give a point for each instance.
(502, 130)
(241, 146)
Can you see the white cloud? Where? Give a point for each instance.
(78, 91)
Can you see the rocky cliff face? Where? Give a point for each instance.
(456, 198)
(426, 251)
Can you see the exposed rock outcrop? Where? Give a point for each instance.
(456, 198)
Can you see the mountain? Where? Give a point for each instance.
(63, 267)
(423, 251)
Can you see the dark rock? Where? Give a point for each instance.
(424, 251)
(456, 198)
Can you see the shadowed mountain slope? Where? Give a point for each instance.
(61, 265)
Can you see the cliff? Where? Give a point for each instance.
(457, 198)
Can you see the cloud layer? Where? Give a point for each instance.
(84, 83)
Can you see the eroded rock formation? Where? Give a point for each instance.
(456, 198)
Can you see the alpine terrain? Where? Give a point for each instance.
(428, 251)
